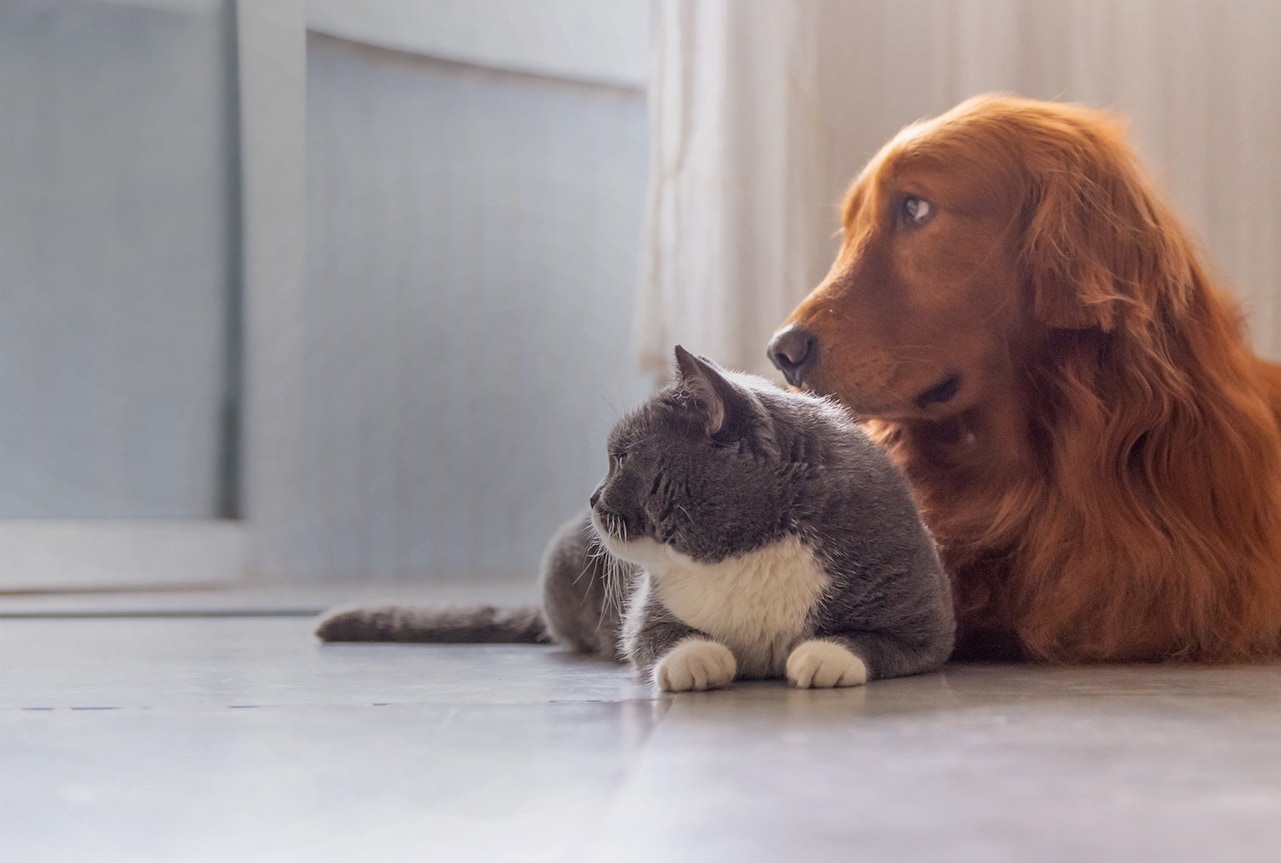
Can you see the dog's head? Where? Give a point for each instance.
(968, 240)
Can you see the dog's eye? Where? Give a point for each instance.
(917, 211)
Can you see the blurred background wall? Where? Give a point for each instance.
(473, 237)
(376, 315)
(117, 254)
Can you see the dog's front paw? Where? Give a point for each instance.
(824, 665)
(695, 663)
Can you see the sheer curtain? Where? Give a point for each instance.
(762, 112)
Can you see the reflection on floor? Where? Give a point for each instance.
(242, 739)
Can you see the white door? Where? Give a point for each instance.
(120, 294)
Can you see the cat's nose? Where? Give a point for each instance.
(595, 498)
(792, 351)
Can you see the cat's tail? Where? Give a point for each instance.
(473, 624)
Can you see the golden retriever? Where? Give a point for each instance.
(1025, 324)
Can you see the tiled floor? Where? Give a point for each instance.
(242, 739)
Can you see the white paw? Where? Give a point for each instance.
(823, 665)
(695, 663)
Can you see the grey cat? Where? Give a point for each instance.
(743, 531)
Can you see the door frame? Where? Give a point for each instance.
(48, 555)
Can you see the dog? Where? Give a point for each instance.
(1017, 315)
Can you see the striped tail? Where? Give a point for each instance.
(476, 624)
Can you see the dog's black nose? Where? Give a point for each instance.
(792, 351)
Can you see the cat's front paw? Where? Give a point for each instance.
(824, 665)
(695, 663)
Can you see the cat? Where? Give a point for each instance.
(742, 531)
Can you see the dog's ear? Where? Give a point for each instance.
(1098, 248)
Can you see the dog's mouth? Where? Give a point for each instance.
(939, 394)
(881, 403)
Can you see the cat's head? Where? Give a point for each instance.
(697, 470)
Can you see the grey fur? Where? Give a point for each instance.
(650, 629)
(582, 590)
(721, 465)
(579, 608)
(466, 625)
(716, 466)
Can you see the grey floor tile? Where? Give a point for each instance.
(978, 763)
(422, 782)
(246, 740)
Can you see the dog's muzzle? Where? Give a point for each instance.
(793, 351)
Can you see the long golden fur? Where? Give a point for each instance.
(1030, 330)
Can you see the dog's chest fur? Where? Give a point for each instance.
(757, 604)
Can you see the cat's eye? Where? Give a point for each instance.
(616, 459)
(916, 211)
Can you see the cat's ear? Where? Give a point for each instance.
(726, 408)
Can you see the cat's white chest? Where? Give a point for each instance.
(756, 604)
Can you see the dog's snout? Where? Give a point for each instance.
(792, 351)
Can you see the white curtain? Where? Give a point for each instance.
(761, 113)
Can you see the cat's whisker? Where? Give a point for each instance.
(601, 395)
(612, 579)
(617, 579)
(586, 567)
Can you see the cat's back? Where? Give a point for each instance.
(848, 477)
(855, 509)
